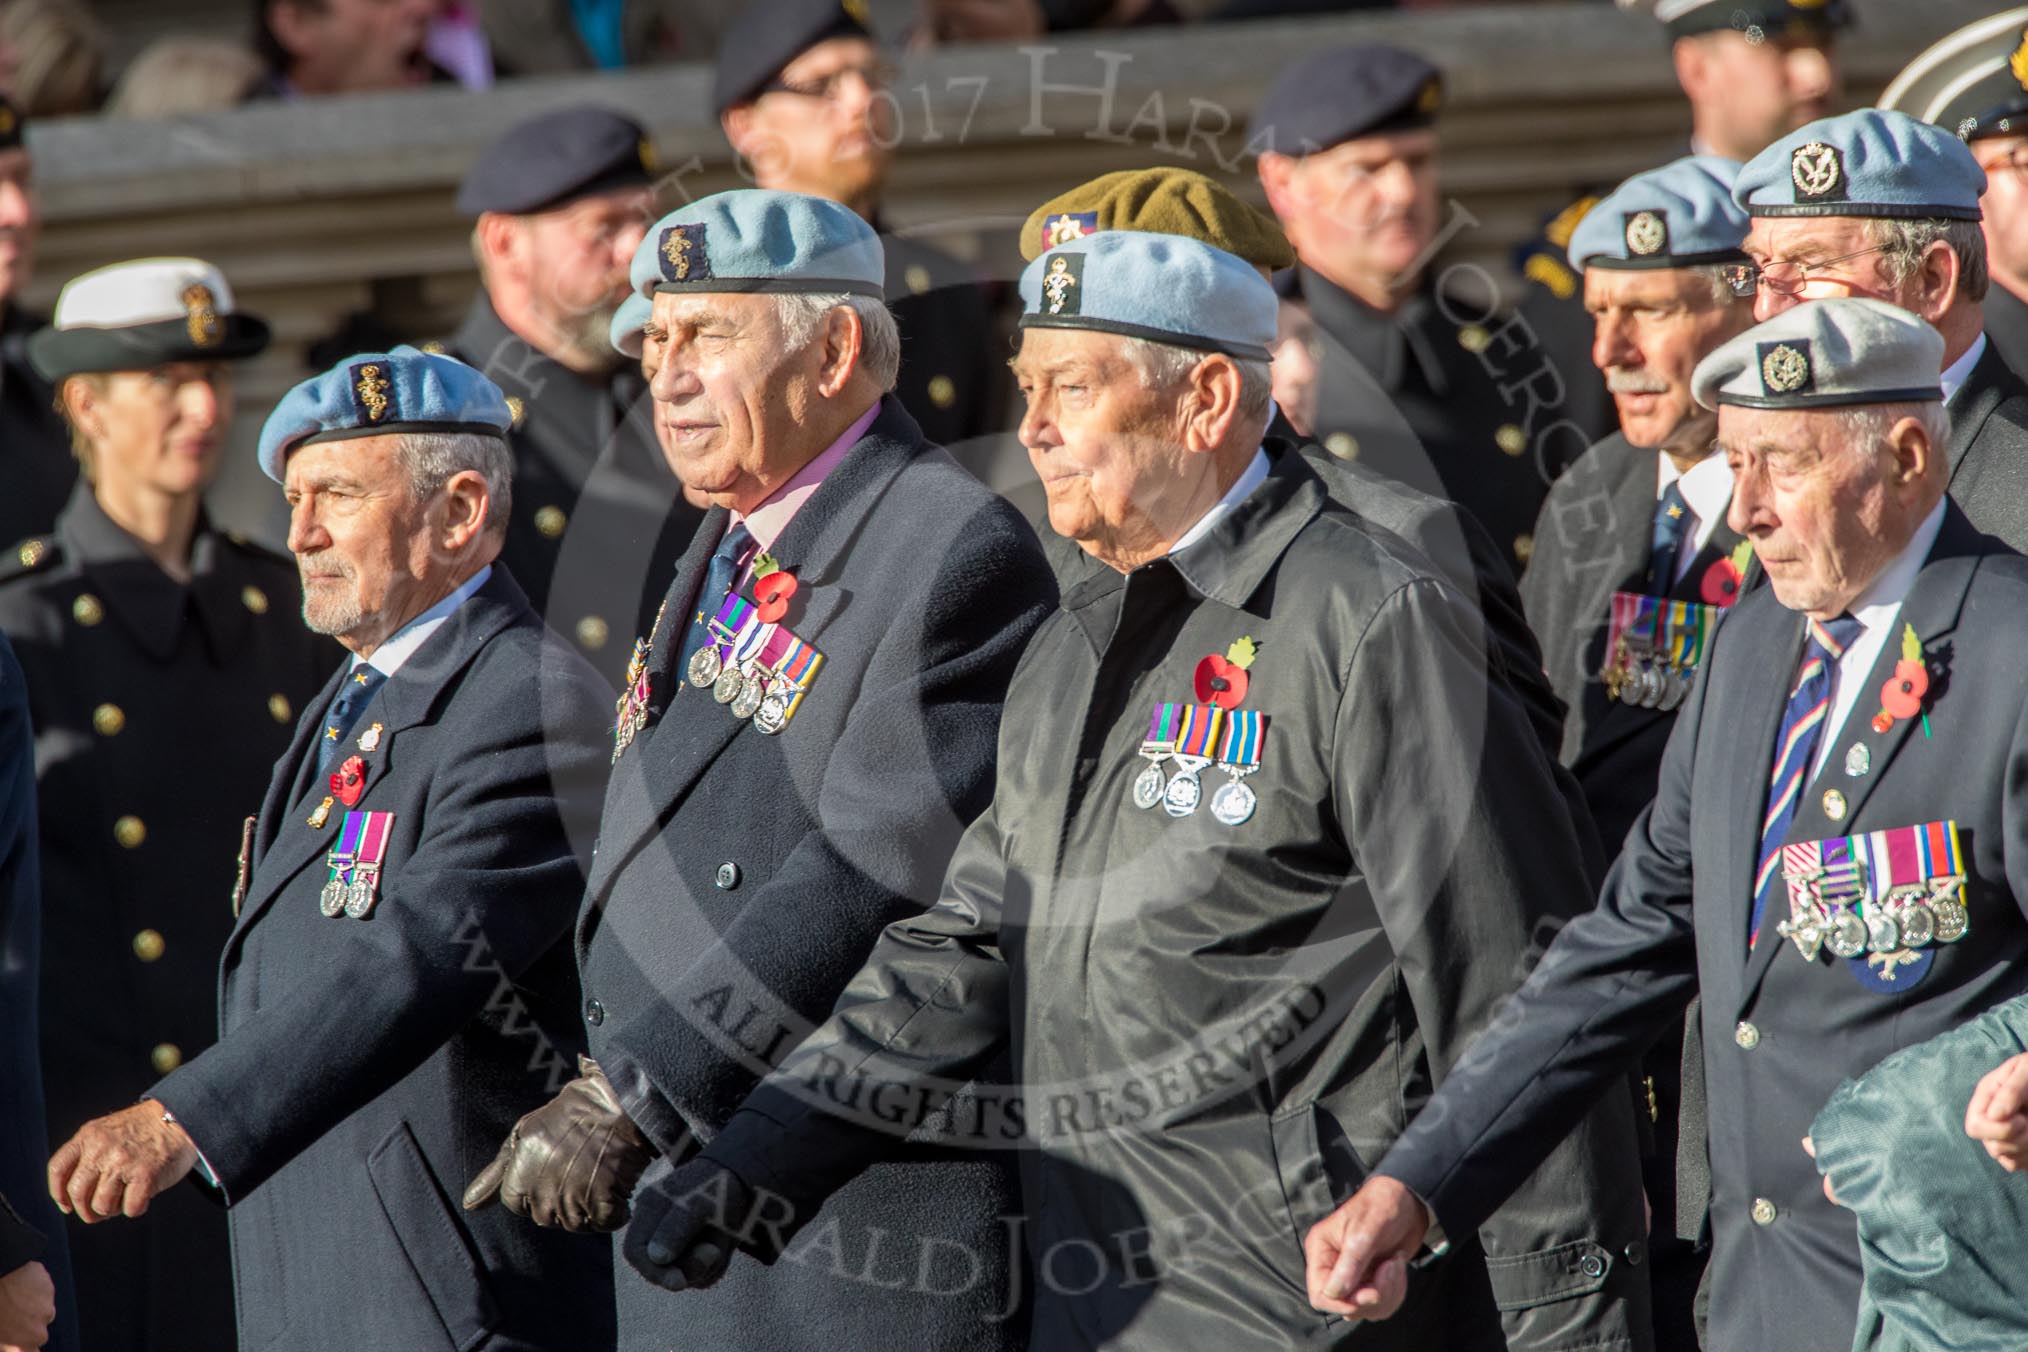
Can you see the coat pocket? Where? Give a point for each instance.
(1316, 1165)
(439, 1252)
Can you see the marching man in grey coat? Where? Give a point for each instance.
(1231, 922)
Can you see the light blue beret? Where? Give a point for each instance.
(628, 321)
(1165, 288)
(1826, 354)
(753, 239)
(405, 390)
(1679, 216)
(1865, 163)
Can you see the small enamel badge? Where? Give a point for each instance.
(1060, 284)
(1785, 367)
(1647, 233)
(1818, 171)
(1065, 226)
(372, 391)
(682, 255)
(369, 740)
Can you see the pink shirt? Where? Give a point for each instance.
(767, 521)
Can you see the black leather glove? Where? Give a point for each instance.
(688, 1223)
(571, 1163)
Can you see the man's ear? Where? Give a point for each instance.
(1693, 67)
(496, 233)
(467, 503)
(844, 348)
(1936, 282)
(1909, 444)
(1276, 172)
(1213, 404)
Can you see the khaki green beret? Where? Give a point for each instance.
(1163, 202)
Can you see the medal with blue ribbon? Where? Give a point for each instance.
(1879, 900)
(1239, 756)
(793, 672)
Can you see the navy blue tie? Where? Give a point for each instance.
(1665, 541)
(361, 684)
(1796, 749)
(718, 578)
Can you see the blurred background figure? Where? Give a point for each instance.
(560, 202)
(1975, 83)
(166, 666)
(35, 464)
(549, 37)
(343, 46)
(52, 57)
(178, 77)
(802, 92)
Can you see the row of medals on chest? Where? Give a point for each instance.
(1232, 803)
(746, 686)
(1832, 909)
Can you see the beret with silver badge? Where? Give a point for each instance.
(1867, 163)
(1679, 216)
(1826, 354)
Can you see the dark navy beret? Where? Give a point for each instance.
(1336, 95)
(1973, 83)
(1164, 288)
(770, 34)
(1679, 216)
(374, 393)
(1826, 354)
(761, 239)
(1866, 163)
(556, 157)
(1687, 18)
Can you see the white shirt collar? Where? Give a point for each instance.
(1256, 472)
(1707, 491)
(1877, 605)
(1959, 371)
(389, 656)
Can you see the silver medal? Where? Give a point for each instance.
(727, 687)
(1233, 803)
(1652, 685)
(332, 900)
(1805, 933)
(748, 701)
(359, 899)
(705, 666)
(1848, 935)
(1918, 924)
(1148, 786)
(1858, 760)
(1181, 797)
(1952, 920)
(773, 714)
(1883, 933)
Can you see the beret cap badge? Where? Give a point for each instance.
(1785, 367)
(1068, 225)
(1647, 233)
(200, 315)
(1060, 283)
(373, 390)
(683, 256)
(1816, 170)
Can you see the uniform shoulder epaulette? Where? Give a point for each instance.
(1543, 259)
(33, 555)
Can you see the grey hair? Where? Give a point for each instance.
(1722, 293)
(1164, 365)
(431, 458)
(1866, 426)
(1903, 243)
(880, 350)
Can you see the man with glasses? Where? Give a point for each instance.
(1975, 83)
(1880, 205)
(802, 94)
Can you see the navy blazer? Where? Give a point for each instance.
(366, 1069)
(741, 879)
(1779, 1033)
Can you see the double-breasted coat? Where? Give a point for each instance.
(742, 878)
(159, 709)
(1219, 1024)
(1779, 1032)
(367, 1068)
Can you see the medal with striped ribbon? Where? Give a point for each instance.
(1238, 756)
(1196, 744)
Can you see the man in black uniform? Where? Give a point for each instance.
(34, 464)
(165, 668)
(561, 201)
(1231, 944)
(801, 92)
(1751, 71)
(1418, 378)
(1635, 565)
(1974, 83)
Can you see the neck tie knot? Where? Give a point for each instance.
(1665, 543)
(358, 690)
(1833, 637)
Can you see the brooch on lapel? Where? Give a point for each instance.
(1903, 694)
(348, 781)
(355, 865)
(1199, 735)
(1722, 580)
(1879, 900)
(369, 740)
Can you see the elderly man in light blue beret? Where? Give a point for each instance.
(802, 737)
(1632, 549)
(1837, 856)
(1224, 916)
(1877, 204)
(387, 996)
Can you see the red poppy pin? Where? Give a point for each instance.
(1222, 680)
(1903, 694)
(772, 589)
(1723, 579)
(348, 781)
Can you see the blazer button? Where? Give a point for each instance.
(1636, 1252)
(594, 1013)
(1592, 1266)
(1763, 1211)
(1747, 1036)
(728, 876)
